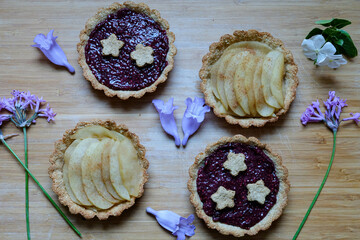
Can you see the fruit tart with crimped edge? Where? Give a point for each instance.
(134, 24)
(244, 216)
(249, 78)
(98, 169)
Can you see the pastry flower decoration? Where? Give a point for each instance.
(48, 45)
(166, 112)
(331, 119)
(111, 46)
(174, 223)
(257, 191)
(223, 198)
(326, 46)
(235, 163)
(18, 108)
(194, 115)
(142, 55)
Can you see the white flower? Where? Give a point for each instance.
(312, 46)
(333, 61)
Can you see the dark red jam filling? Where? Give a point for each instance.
(121, 73)
(212, 175)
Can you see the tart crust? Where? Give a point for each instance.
(56, 172)
(215, 52)
(275, 211)
(101, 16)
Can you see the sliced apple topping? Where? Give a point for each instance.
(101, 168)
(247, 80)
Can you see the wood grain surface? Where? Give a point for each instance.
(196, 24)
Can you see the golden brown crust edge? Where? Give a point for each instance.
(57, 162)
(100, 16)
(273, 214)
(215, 51)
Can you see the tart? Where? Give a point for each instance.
(113, 37)
(98, 169)
(249, 78)
(238, 186)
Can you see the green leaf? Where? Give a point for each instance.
(330, 32)
(325, 23)
(335, 22)
(340, 23)
(339, 42)
(348, 47)
(314, 32)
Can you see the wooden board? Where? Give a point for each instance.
(196, 24)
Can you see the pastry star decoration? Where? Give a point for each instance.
(223, 198)
(257, 191)
(142, 55)
(111, 46)
(235, 163)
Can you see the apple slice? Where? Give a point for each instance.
(266, 79)
(75, 178)
(249, 82)
(90, 190)
(261, 106)
(105, 169)
(130, 168)
(67, 156)
(277, 76)
(95, 170)
(259, 47)
(96, 132)
(229, 81)
(116, 173)
(225, 59)
(213, 74)
(239, 83)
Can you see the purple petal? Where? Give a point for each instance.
(4, 118)
(48, 113)
(167, 120)
(355, 117)
(52, 50)
(167, 219)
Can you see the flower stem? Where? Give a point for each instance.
(26, 186)
(320, 188)
(41, 187)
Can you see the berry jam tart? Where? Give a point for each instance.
(238, 186)
(126, 50)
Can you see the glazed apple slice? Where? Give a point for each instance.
(258, 47)
(249, 83)
(105, 169)
(239, 84)
(90, 190)
(277, 76)
(261, 106)
(229, 82)
(225, 59)
(213, 74)
(96, 132)
(95, 170)
(130, 168)
(266, 79)
(116, 173)
(67, 156)
(75, 178)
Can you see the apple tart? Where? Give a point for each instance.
(238, 186)
(98, 169)
(249, 78)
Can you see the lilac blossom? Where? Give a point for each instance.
(166, 112)
(20, 104)
(179, 226)
(194, 115)
(52, 50)
(334, 106)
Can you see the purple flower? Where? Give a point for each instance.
(193, 117)
(355, 117)
(174, 223)
(334, 106)
(48, 113)
(166, 112)
(52, 50)
(4, 118)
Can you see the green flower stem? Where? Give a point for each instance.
(41, 187)
(26, 186)
(319, 191)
